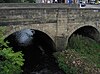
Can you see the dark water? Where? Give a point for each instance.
(38, 49)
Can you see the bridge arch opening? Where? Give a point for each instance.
(87, 31)
(34, 44)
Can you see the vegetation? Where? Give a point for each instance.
(86, 47)
(17, 1)
(10, 61)
(30, 1)
(81, 57)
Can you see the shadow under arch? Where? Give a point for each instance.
(34, 44)
(87, 31)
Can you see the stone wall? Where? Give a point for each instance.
(58, 21)
(38, 5)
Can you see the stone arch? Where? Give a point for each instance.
(38, 33)
(11, 29)
(87, 31)
(46, 39)
(38, 45)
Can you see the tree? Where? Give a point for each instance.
(2, 1)
(17, 1)
(30, 1)
(10, 61)
(11, 1)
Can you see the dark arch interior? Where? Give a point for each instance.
(87, 31)
(35, 45)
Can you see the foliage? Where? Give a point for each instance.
(30, 1)
(81, 57)
(11, 1)
(17, 1)
(73, 63)
(61, 61)
(2, 31)
(10, 61)
(1, 1)
(86, 47)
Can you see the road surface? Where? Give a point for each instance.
(91, 6)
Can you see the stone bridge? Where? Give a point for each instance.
(58, 21)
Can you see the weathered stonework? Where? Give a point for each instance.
(57, 22)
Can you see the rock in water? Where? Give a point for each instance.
(24, 37)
